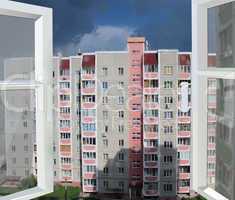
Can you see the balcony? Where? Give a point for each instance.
(66, 166)
(151, 120)
(183, 148)
(88, 147)
(88, 76)
(65, 129)
(184, 175)
(88, 119)
(184, 190)
(150, 178)
(184, 133)
(89, 188)
(150, 192)
(151, 105)
(89, 175)
(150, 164)
(88, 90)
(183, 162)
(64, 77)
(64, 103)
(150, 150)
(88, 105)
(65, 141)
(65, 116)
(64, 90)
(184, 75)
(150, 135)
(151, 90)
(89, 161)
(150, 75)
(184, 119)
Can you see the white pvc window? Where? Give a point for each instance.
(26, 130)
(213, 98)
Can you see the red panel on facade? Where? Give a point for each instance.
(88, 61)
(64, 64)
(212, 61)
(184, 59)
(150, 58)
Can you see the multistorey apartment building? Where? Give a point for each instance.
(119, 127)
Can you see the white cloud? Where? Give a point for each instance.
(103, 38)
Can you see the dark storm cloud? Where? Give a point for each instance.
(165, 23)
(70, 18)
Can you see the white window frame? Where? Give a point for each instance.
(43, 73)
(200, 74)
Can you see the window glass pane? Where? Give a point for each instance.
(18, 161)
(17, 48)
(221, 38)
(221, 148)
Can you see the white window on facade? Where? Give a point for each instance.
(26, 101)
(213, 73)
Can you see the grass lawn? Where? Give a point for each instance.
(7, 190)
(58, 194)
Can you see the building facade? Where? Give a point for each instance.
(119, 126)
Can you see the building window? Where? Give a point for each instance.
(168, 84)
(168, 115)
(167, 159)
(120, 100)
(106, 129)
(105, 100)
(121, 128)
(167, 187)
(167, 173)
(168, 129)
(121, 114)
(105, 71)
(106, 156)
(120, 71)
(106, 184)
(121, 143)
(121, 156)
(168, 70)
(105, 142)
(105, 85)
(105, 114)
(106, 170)
(120, 84)
(120, 170)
